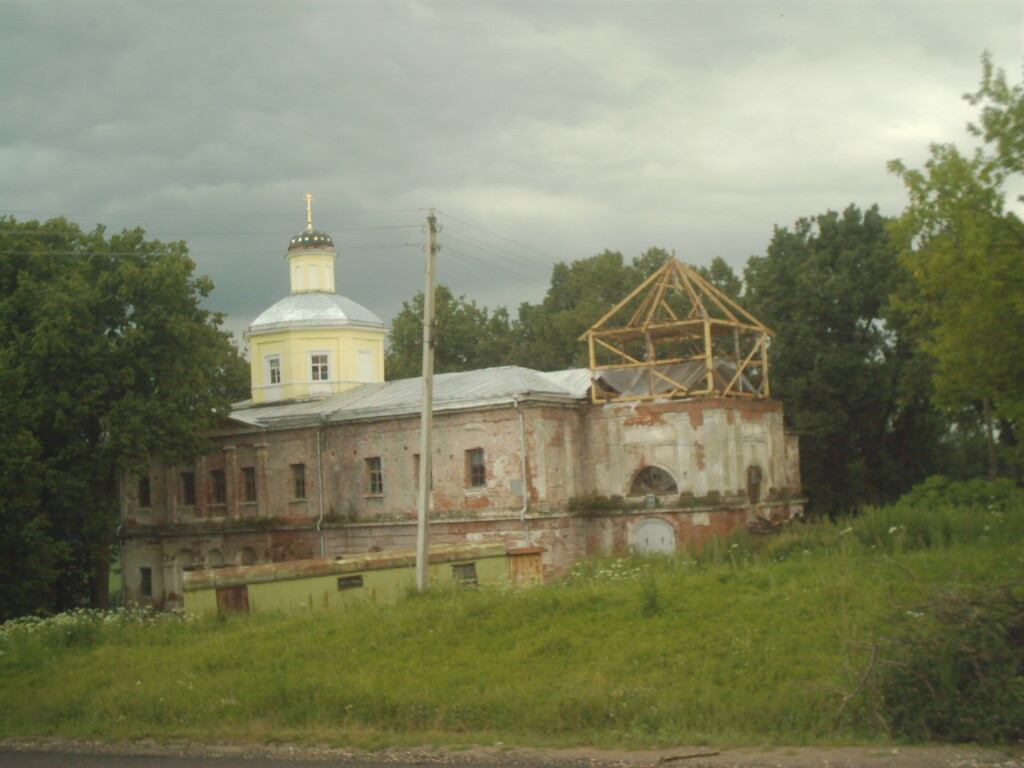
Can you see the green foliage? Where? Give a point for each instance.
(106, 356)
(745, 640)
(466, 336)
(544, 336)
(955, 669)
(963, 252)
(838, 357)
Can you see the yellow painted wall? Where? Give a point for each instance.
(386, 585)
(295, 347)
(312, 271)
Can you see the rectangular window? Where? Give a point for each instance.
(248, 483)
(374, 476)
(350, 582)
(188, 488)
(416, 473)
(298, 481)
(318, 363)
(146, 582)
(465, 574)
(145, 497)
(218, 487)
(274, 370)
(476, 472)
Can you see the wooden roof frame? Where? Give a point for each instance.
(710, 317)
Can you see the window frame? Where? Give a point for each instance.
(273, 368)
(188, 489)
(374, 476)
(145, 581)
(298, 482)
(218, 487)
(144, 492)
(249, 492)
(476, 468)
(319, 366)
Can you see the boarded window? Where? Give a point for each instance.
(374, 476)
(188, 488)
(145, 497)
(465, 573)
(298, 481)
(249, 484)
(476, 470)
(218, 487)
(146, 582)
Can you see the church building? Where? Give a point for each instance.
(668, 437)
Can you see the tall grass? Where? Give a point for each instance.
(752, 639)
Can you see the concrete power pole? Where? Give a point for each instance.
(427, 416)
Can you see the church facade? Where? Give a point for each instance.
(322, 462)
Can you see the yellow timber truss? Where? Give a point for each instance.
(675, 336)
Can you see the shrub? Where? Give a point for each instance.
(955, 669)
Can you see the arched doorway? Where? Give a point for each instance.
(654, 536)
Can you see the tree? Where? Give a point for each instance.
(965, 255)
(466, 336)
(837, 357)
(107, 358)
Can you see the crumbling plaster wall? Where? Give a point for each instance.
(551, 435)
(706, 444)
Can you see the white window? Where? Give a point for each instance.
(274, 369)
(318, 366)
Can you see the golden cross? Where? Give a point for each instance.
(309, 211)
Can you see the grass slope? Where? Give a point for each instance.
(752, 641)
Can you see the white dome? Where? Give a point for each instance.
(315, 310)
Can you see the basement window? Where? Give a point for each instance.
(465, 574)
(350, 582)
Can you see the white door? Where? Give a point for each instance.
(655, 536)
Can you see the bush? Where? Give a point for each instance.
(955, 669)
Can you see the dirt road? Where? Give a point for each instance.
(58, 754)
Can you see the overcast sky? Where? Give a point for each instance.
(540, 131)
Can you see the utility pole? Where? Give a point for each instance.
(427, 416)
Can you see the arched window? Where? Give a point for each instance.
(654, 480)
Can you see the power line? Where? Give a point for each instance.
(500, 237)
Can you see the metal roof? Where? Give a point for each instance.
(314, 309)
(452, 391)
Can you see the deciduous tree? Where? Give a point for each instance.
(964, 253)
(107, 357)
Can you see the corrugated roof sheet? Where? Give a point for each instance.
(452, 391)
